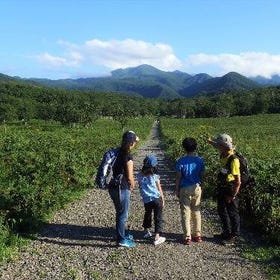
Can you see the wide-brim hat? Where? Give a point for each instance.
(223, 140)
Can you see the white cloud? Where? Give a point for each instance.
(73, 59)
(127, 53)
(249, 64)
(113, 54)
(94, 56)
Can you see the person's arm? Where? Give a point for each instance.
(160, 191)
(130, 176)
(237, 183)
(177, 182)
(210, 141)
(235, 170)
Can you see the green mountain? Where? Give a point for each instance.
(148, 81)
(273, 81)
(231, 82)
(5, 78)
(144, 80)
(143, 70)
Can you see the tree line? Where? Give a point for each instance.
(24, 101)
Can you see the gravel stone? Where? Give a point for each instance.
(78, 243)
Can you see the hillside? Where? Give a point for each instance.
(231, 82)
(273, 81)
(148, 81)
(5, 78)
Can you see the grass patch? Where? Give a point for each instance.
(267, 256)
(12, 243)
(209, 204)
(10, 248)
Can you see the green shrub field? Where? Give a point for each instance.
(257, 137)
(45, 164)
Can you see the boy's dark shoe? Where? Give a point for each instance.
(230, 241)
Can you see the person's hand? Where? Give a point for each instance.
(209, 140)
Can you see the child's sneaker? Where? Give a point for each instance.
(159, 240)
(147, 234)
(127, 243)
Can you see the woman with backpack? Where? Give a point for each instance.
(120, 192)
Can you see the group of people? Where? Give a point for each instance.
(190, 171)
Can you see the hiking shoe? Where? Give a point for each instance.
(159, 240)
(230, 241)
(187, 241)
(127, 243)
(197, 239)
(222, 236)
(147, 234)
(129, 237)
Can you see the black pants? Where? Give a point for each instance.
(229, 215)
(156, 207)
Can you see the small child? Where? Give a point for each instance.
(152, 196)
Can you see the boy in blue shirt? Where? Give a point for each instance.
(189, 172)
(153, 198)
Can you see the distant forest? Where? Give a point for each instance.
(25, 101)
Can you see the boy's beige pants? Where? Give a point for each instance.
(190, 198)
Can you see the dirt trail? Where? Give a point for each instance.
(78, 242)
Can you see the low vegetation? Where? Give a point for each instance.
(45, 165)
(51, 141)
(257, 138)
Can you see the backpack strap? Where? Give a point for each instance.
(229, 161)
(114, 166)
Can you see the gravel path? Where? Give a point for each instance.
(78, 242)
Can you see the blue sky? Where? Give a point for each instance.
(88, 38)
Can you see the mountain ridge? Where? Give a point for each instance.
(148, 81)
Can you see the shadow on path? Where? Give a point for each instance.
(75, 235)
